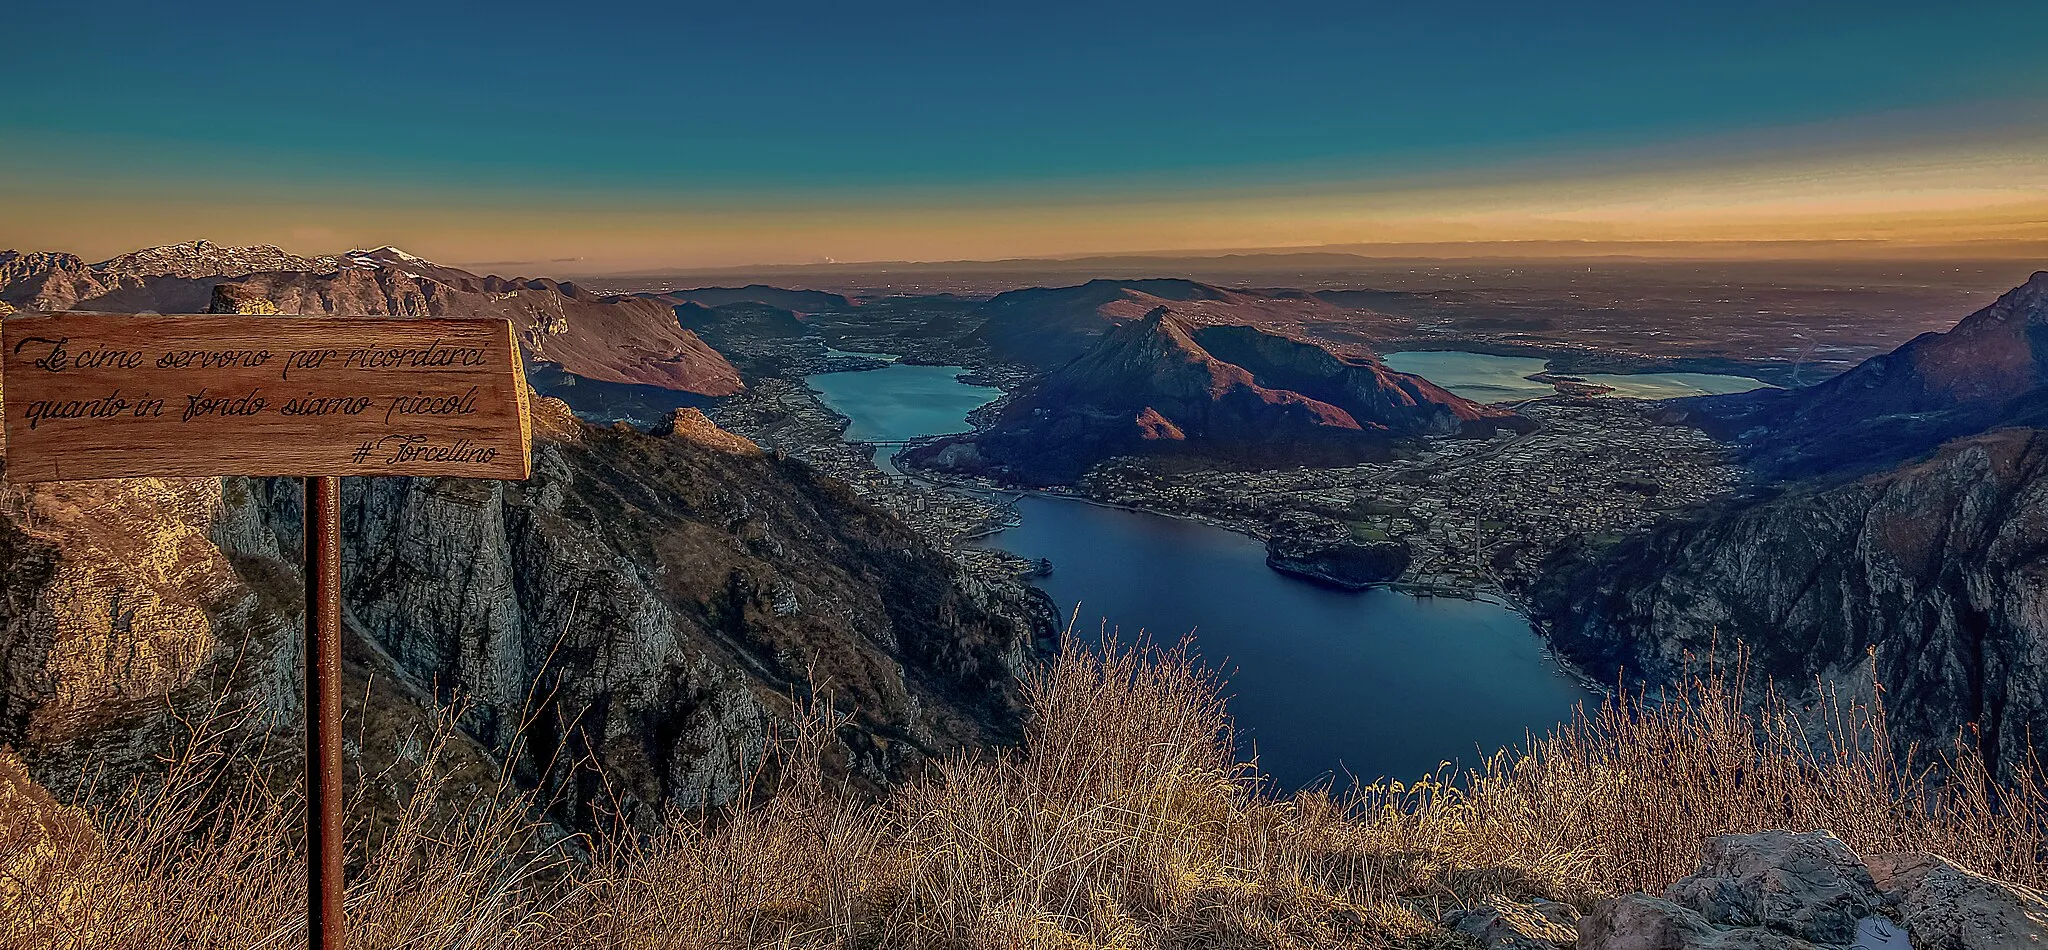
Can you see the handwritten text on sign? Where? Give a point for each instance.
(106, 396)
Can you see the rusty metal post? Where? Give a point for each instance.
(324, 925)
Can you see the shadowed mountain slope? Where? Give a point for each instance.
(1990, 370)
(1928, 578)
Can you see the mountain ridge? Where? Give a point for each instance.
(1990, 369)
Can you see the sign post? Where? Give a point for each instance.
(325, 922)
(111, 396)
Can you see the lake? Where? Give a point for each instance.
(1321, 682)
(900, 401)
(1484, 377)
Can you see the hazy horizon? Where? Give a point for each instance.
(661, 139)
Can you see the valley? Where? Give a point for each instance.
(1453, 472)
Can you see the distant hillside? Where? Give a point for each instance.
(799, 301)
(1047, 326)
(1990, 370)
(1153, 386)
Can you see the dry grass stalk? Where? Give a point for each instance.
(1125, 821)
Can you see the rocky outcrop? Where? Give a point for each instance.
(1809, 886)
(1776, 890)
(1945, 907)
(39, 839)
(1329, 552)
(1931, 580)
(115, 596)
(1150, 387)
(1501, 924)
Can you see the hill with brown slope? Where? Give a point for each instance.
(1153, 387)
(607, 339)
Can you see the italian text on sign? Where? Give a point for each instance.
(109, 396)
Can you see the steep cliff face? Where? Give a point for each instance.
(1152, 386)
(115, 596)
(1936, 572)
(639, 612)
(650, 602)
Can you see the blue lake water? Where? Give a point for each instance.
(1321, 682)
(901, 401)
(1369, 683)
(1484, 377)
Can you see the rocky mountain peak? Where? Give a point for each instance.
(393, 259)
(22, 265)
(207, 259)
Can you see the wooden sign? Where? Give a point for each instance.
(109, 396)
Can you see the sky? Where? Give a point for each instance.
(595, 137)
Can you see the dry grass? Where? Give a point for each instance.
(1125, 821)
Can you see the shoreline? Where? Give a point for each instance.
(991, 494)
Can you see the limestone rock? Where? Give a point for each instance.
(1501, 924)
(1806, 885)
(1946, 907)
(1642, 922)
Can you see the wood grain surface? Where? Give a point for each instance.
(110, 396)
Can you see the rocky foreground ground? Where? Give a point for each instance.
(1777, 890)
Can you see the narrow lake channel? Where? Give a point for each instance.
(1321, 682)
